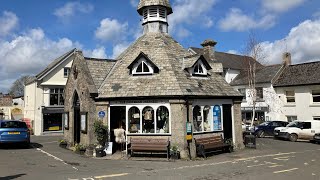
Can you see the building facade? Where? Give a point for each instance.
(154, 89)
(44, 96)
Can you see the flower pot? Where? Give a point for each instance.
(82, 151)
(100, 152)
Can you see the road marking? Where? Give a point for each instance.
(285, 158)
(56, 158)
(277, 165)
(111, 175)
(265, 163)
(287, 170)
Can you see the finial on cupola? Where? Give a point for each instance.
(154, 14)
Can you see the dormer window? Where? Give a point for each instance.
(199, 69)
(142, 65)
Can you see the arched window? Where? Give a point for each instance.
(162, 119)
(206, 122)
(134, 120)
(197, 119)
(148, 120)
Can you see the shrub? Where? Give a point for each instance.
(101, 132)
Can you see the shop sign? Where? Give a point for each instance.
(189, 131)
(216, 118)
(256, 108)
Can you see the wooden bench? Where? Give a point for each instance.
(149, 145)
(211, 144)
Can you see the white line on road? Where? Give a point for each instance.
(287, 170)
(277, 165)
(56, 158)
(111, 175)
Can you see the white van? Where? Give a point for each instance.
(298, 129)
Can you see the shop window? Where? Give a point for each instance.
(52, 122)
(162, 120)
(206, 122)
(197, 119)
(316, 96)
(259, 93)
(134, 120)
(66, 72)
(290, 96)
(148, 120)
(56, 96)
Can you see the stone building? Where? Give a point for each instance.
(152, 90)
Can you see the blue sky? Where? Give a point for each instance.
(34, 32)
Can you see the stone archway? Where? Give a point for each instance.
(76, 118)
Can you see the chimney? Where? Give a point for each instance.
(286, 58)
(208, 48)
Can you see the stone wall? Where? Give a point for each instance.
(238, 139)
(5, 100)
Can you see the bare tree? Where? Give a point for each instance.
(17, 88)
(254, 58)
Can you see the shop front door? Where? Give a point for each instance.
(227, 121)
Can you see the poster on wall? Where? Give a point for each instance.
(217, 118)
(84, 122)
(66, 120)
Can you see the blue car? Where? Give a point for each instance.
(14, 131)
(267, 128)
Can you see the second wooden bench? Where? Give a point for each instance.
(211, 144)
(149, 145)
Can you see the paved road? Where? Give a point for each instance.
(273, 159)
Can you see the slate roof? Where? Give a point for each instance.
(263, 75)
(99, 68)
(171, 80)
(232, 61)
(54, 63)
(144, 3)
(299, 74)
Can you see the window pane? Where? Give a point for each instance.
(162, 120)
(197, 119)
(13, 124)
(134, 120)
(206, 121)
(200, 69)
(53, 99)
(316, 98)
(145, 68)
(61, 99)
(291, 99)
(148, 120)
(139, 69)
(52, 122)
(259, 92)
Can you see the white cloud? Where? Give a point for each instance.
(99, 52)
(280, 6)
(134, 3)
(71, 8)
(236, 20)
(233, 51)
(8, 22)
(111, 30)
(302, 42)
(191, 12)
(119, 48)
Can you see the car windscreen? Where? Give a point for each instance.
(13, 124)
(293, 124)
(264, 124)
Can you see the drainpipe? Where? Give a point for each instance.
(187, 105)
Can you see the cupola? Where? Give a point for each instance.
(154, 15)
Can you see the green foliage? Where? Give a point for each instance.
(101, 132)
(62, 141)
(79, 147)
(174, 148)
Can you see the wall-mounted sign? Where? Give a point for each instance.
(66, 120)
(84, 122)
(217, 118)
(101, 114)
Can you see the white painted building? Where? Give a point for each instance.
(44, 96)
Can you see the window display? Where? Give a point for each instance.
(197, 119)
(134, 120)
(162, 120)
(148, 120)
(52, 122)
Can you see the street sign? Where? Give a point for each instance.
(101, 114)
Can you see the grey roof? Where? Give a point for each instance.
(99, 68)
(30, 80)
(263, 75)
(300, 74)
(232, 61)
(54, 63)
(144, 3)
(171, 80)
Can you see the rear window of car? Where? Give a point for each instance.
(13, 124)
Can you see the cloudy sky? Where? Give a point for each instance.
(34, 32)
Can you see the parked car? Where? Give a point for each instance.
(267, 128)
(298, 129)
(316, 138)
(14, 131)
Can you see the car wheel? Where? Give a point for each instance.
(293, 137)
(260, 134)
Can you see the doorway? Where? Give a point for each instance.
(117, 120)
(227, 121)
(76, 120)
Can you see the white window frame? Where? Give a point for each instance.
(66, 72)
(200, 65)
(294, 98)
(209, 118)
(142, 61)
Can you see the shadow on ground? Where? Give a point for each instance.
(20, 146)
(11, 177)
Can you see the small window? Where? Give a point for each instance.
(291, 118)
(56, 96)
(290, 96)
(316, 118)
(66, 72)
(316, 96)
(259, 91)
(199, 69)
(143, 68)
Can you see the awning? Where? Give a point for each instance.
(52, 110)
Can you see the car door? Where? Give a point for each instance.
(271, 128)
(306, 131)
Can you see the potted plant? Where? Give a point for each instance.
(101, 133)
(229, 142)
(174, 152)
(63, 143)
(80, 149)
